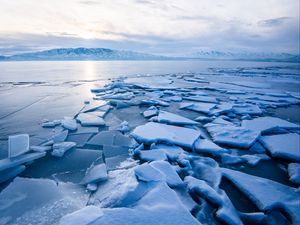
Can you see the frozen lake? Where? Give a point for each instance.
(188, 137)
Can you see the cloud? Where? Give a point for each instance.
(274, 21)
(162, 27)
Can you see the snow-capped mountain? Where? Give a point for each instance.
(83, 54)
(261, 56)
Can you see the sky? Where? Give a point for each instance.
(165, 27)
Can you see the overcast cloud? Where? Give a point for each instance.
(169, 27)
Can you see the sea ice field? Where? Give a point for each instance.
(156, 142)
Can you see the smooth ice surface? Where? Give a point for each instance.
(151, 111)
(286, 146)
(95, 174)
(262, 191)
(171, 118)
(87, 119)
(247, 109)
(84, 216)
(18, 144)
(156, 132)
(51, 201)
(153, 155)
(146, 172)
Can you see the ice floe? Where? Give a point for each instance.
(18, 145)
(261, 192)
(286, 146)
(95, 174)
(69, 123)
(171, 118)
(59, 149)
(87, 119)
(156, 132)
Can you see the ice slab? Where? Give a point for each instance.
(294, 172)
(151, 111)
(93, 105)
(159, 205)
(171, 118)
(232, 135)
(51, 201)
(226, 211)
(21, 159)
(207, 146)
(95, 174)
(18, 145)
(249, 109)
(84, 216)
(147, 173)
(87, 119)
(59, 149)
(286, 146)
(60, 137)
(201, 99)
(261, 192)
(152, 155)
(156, 132)
(155, 102)
(113, 192)
(11, 173)
(266, 124)
(199, 107)
(69, 123)
(170, 174)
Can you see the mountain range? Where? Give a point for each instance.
(110, 54)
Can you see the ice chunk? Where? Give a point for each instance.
(59, 149)
(247, 109)
(204, 119)
(201, 99)
(87, 119)
(40, 148)
(147, 173)
(93, 106)
(285, 146)
(267, 194)
(207, 146)
(198, 107)
(171, 176)
(171, 118)
(124, 127)
(232, 135)
(160, 205)
(171, 151)
(18, 145)
(69, 123)
(49, 124)
(156, 132)
(155, 102)
(112, 192)
(39, 201)
(224, 107)
(153, 155)
(151, 111)
(226, 211)
(294, 172)
(84, 216)
(265, 124)
(10, 173)
(15, 161)
(95, 174)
